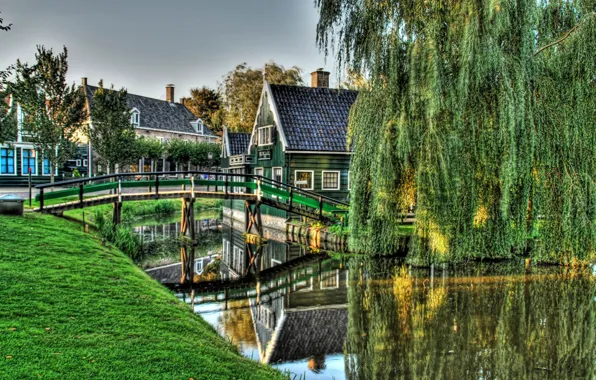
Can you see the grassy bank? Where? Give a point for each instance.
(141, 209)
(72, 308)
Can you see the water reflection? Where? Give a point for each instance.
(329, 316)
(470, 326)
(163, 248)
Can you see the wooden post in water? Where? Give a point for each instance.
(187, 250)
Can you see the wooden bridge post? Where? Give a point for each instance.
(291, 198)
(81, 191)
(117, 214)
(41, 199)
(187, 251)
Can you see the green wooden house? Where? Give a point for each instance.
(299, 138)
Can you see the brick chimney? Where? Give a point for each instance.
(170, 93)
(84, 81)
(319, 78)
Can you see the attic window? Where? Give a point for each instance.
(135, 118)
(266, 135)
(198, 126)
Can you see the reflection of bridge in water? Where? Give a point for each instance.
(297, 296)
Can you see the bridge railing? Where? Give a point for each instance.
(225, 183)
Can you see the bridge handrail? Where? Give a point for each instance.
(120, 176)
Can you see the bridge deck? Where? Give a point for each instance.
(111, 198)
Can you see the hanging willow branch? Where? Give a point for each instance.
(461, 120)
(564, 36)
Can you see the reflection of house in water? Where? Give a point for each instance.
(234, 253)
(172, 273)
(172, 230)
(303, 315)
(299, 314)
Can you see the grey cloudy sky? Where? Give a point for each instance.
(144, 44)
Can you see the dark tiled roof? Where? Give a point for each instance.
(238, 142)
(306, 333)
(314, 118)
(159, 114)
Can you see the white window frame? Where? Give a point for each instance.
(349, 184)
(85, 163)
(22, 166)
(312, 177)
(78, 163)
(49, 174)
(270, 127)
(325, 276)
(273, 173)
(135, 118)
(14, 160)
(338, 180)
(262, 169)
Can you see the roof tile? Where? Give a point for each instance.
(314, 118)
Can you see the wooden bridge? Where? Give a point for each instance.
(254, 190)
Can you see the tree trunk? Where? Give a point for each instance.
(52, 173)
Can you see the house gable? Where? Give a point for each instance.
(313, 119)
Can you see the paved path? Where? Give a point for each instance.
(21, 191)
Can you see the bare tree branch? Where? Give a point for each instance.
(565, 36)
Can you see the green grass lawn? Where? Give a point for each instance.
(71, 308)
(142, 209)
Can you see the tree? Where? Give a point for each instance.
(204, 154)
(53, 112)
(111, 132)
(490, 105)
(7, 120)
(179, 151)
(354, 80)
(149, 148)
(241, 91)
(4, 27)
(203, 103)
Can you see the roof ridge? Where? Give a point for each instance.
(313, 88)
(140, 96)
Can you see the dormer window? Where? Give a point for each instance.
(135, 118)
(198, 126)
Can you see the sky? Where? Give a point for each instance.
(143, 45)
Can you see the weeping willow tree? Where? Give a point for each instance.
(482, 113)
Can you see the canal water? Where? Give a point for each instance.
(319, 315)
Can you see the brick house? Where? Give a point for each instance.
(154, 118)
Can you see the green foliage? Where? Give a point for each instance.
(241, 91)
(205, 155)
(204, 103)
(54, 112)
(112, 135)
(479, 321)
(160, 208)
(483, 111)
(71, 308)
(149, 148)
(201, 154)
(4, 27)
(179, 151)
(121, 236)
(8, 117)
